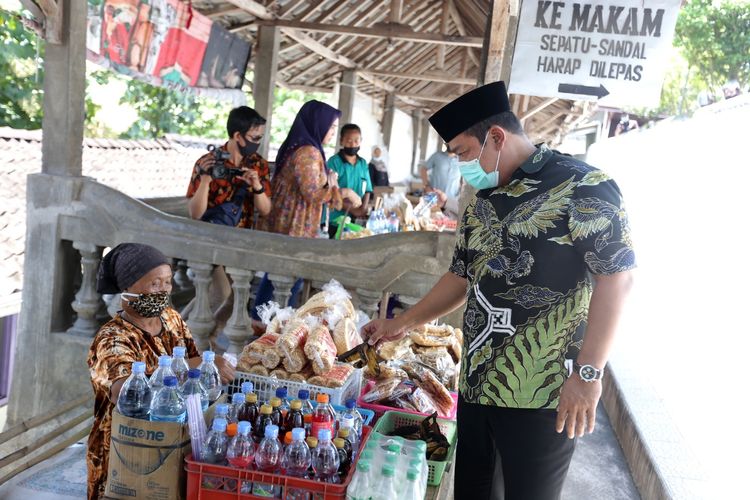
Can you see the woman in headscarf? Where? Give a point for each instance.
(146, 328)
(379, 166)
(302, 183)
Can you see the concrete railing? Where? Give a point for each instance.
(407, 264)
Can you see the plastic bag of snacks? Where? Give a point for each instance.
(320, 350)
(262, 350)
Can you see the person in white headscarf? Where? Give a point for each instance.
(379, 166)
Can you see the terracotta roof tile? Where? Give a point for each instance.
(141, 169)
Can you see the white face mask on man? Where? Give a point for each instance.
(475, 175)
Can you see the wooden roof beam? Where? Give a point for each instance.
(421, 97)
(257, 9)
(426, 76)
(536, 109)
(388, 32)
(221, 11)
(453, 11)
(397, 7)
(440, 63)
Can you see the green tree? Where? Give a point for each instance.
(285, 107)
(714, 37)
(21, 74)
(163, 111)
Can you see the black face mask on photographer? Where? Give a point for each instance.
(249, 147)
(350, 151)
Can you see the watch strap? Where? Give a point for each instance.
(599, 373)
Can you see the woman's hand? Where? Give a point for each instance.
(333, 179)
(226, 370)
(354, 200)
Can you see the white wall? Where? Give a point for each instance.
(401, 148)
(364, 116)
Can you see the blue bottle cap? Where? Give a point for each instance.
(139, 367)
(247, 387)
(324, 435)
(243, 427)
(179, 351)
(194, 373)
(165, 360)
(303, 394)
(298, 434)
(351, 403)
(272, 432)
(238, 398)
(209, 356)
(170, 381)
(281, 392)
(222, 409)
(219, 425)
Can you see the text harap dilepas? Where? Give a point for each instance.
(615, 50)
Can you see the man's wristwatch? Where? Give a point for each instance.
(587, 372)
(259, 191)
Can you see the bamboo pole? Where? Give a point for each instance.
(47, 454)
(38, 443)
(42, 419)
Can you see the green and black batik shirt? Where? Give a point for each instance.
(528, 250)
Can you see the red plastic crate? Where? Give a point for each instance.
(381, 409)
(217, 482)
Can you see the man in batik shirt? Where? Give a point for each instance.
(543, 263)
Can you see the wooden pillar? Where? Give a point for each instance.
(388, 117)
(266, 65)
(499, 42)
(424, 140)
(347, 95)
(416, 127)
(64, 92)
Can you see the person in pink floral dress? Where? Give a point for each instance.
(302, 183)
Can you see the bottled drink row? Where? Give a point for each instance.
(162, 396)
(282, 437)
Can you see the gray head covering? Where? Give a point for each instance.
(125, 264)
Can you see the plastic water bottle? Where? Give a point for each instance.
(156, 381)
(372, 222)
(168, 405)
(393, 223)
(297, 460)
(193, 386)
(179, 364)
(351, 409)
(347, 432)
(238, 399)
(268, 459)
(385, 486)
(210, 376)
(222, 411)
(282, 393)
(412, 488)
(135, 395)
(214, 448)
(241, 448)
(307, 409)
(323, 417)
(326, 458)
(361, 486)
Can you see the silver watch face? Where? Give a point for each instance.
(588, 373)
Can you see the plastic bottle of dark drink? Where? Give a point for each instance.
(259, 426)
(250, 410)
(295, 418)
(276, 415)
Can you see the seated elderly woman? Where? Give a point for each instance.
(146, 328)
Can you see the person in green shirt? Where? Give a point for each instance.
(353, 173)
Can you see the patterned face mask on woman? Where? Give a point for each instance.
(148, 305)
(475, 175)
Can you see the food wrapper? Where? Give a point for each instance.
(332, 294)
(262, 348)
(387, 389)
(437, 391)
(335, 377)
(388, 369)
(258, 370)
(394, 349)
(295, 361)
(293, 336)
(427, 339)
(439, 330)
(320, 350)
(422, 401)
(440, 361)
(346, 335)
(303, 375)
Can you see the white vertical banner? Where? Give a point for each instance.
(612, 50)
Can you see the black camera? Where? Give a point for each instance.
(219, 170)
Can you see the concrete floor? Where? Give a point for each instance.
(598, 469)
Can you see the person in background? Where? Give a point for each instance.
(379, 167)
(731, 89)
(353, 173)
(146, 328)
(626, 125)
(302, 183)
(543, 262)
(441, 173)
(231, 201)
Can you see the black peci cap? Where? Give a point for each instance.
(471, 108)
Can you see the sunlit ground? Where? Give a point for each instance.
(687, 188)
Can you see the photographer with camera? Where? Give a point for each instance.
(231, 181)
